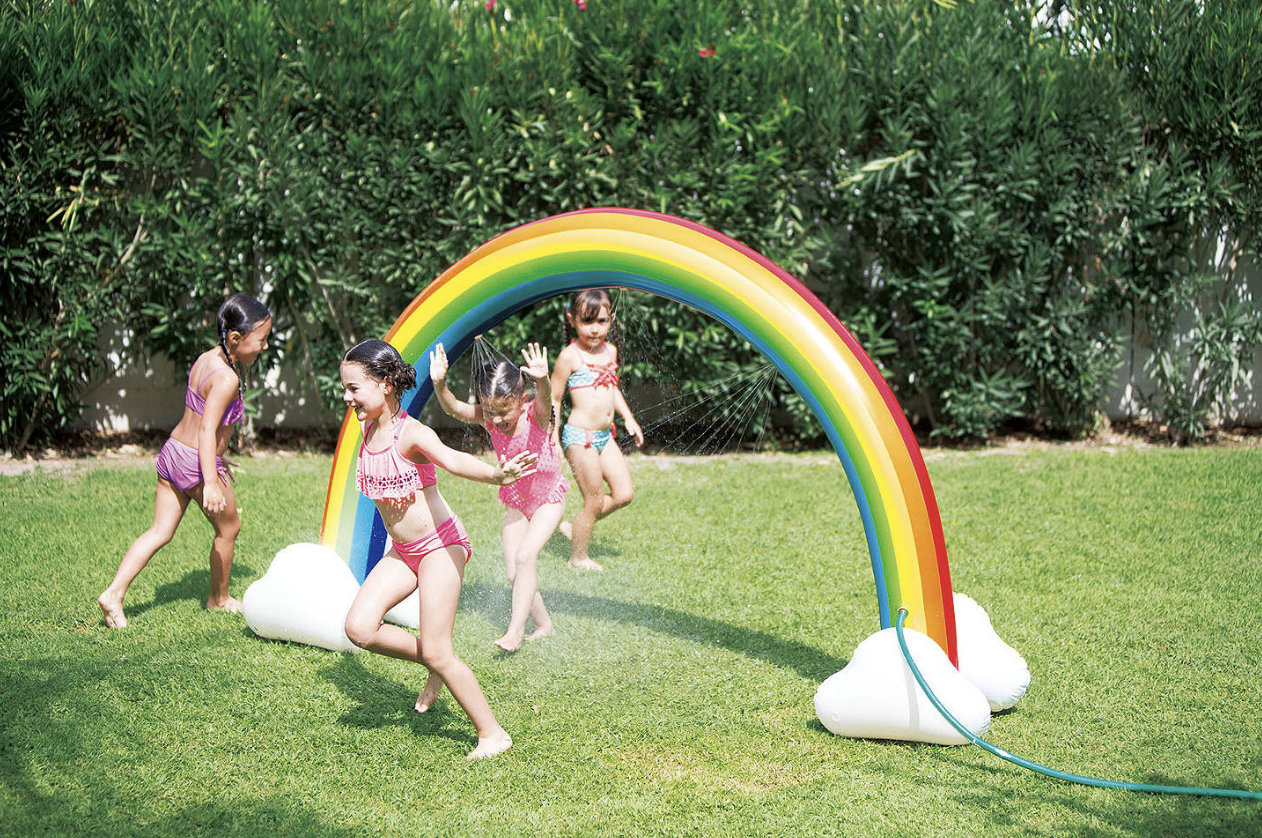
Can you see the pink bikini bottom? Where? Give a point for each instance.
(449, 533)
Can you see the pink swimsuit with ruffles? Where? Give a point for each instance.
(389, 476)
(547, 484)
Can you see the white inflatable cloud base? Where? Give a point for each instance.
(996, 668)
(303, 598)
(876, 696)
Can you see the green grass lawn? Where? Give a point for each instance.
(676, 698)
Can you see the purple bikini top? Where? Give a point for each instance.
(193, 400)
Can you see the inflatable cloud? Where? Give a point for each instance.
(303, 597)
(993, 666)
(876, 696)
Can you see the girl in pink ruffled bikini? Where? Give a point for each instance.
(191, 465)
(397, 470)
(519, 417)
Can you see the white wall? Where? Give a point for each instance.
(151, 396)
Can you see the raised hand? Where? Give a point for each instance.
(438, 364)
(536, 361)
(510, 471)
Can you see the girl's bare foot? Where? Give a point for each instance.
(433, 686)
(230, 605)
(510, 642)
(113, 609)
(540, 631)
(491, 745)
(585, 564)
(566, 528)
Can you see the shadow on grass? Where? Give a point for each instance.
(381, 702)
(100, 809)
(194, 585)
(492, 601)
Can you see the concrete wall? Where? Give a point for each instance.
(151, 395)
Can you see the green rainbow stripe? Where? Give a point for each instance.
(692, 264)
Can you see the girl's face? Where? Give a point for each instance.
(247, 348)
(362, 393)
(503, 413)
(592, 333)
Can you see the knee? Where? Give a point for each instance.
(438, 657)
(525, 558)
(228, 530)
(159, 537)
(617, 500)
(360, 631)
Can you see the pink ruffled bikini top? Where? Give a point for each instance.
(235, 411)
(387, 474)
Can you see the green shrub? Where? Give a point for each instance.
(977, 192)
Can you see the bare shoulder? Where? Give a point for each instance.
(417, 439)
(568, 358)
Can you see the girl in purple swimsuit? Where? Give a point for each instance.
(519, 418)
(396, 470)
(191, 465)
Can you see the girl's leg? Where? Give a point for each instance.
(523, 539)
(439, 579)
(585, 464)
(614, 470)
(227, 524)
(168, 509)
(388, 584)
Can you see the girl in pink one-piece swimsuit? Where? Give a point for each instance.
(519, 418)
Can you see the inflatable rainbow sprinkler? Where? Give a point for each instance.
(707, 270)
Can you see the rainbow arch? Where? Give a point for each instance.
(695, 265)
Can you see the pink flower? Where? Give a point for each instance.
(490, 5)
(707, 52)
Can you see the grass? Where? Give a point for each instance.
(676, 698)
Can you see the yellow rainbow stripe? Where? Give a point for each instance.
(705, 269)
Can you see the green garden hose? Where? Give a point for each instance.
(1043, 769)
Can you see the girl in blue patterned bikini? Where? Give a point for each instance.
(397, 471)
(588, 369)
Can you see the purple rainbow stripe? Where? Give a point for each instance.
(695, 265)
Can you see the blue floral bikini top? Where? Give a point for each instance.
(594, 375)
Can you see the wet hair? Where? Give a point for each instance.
(382, 362)
(504, 380)
(501, 380)
(239, 313)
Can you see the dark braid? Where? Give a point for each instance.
(239, 313)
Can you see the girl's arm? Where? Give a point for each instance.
(624, 410)
(465, 412)
(537, 368)
(565, 365)
(418, 442)
(628, 421)
(222, 390)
